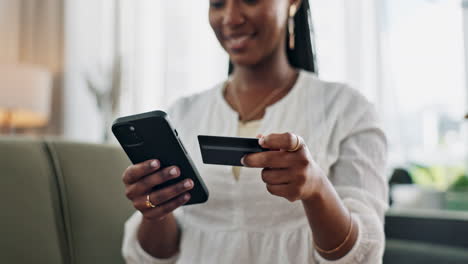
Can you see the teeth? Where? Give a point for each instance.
(238, 40)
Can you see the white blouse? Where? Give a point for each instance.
(248, 129)
(242, 222)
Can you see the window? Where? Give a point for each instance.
(425, 67)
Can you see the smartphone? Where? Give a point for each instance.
(151, 136)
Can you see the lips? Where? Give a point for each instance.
(238, 42)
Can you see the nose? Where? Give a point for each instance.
(233, 15)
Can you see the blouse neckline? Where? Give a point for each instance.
(268, 109)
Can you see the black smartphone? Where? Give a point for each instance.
(151, 136)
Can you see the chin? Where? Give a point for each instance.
(244, 60)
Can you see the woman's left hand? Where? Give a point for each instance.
(292, 175)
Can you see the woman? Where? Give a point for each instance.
(318, 196)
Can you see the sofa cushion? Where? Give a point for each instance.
(410, 252)
(94, 203)
(30, 226)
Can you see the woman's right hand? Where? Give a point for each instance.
(141, 178)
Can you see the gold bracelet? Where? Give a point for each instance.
(344, 241)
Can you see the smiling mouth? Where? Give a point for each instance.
(239, 42)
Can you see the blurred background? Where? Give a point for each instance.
(68, 68)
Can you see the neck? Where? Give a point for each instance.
(264, 76)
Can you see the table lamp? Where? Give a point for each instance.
(25, 96)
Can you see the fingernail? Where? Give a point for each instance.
(187, 196)
(154, 164)
(261, 141)
(188, 184)
(173, 171)
(242, 161)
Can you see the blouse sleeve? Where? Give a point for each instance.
(131, 248)
(358, 174)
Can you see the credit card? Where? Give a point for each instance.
(227, 150)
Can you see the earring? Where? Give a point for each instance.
(292, 36)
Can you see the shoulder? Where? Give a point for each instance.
(193, 103)
(335, 95)
(342, 106)
(340, 98)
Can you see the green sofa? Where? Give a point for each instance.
(426, 237)
(63, 202)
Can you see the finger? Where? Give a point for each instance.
(284, 190)
(260, 136)
(144, 185)
(136, 172)
(161, 196)
(275, 176)
(168, 207)
(268, 159)
(284, 141)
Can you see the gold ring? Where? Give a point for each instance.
(298, 145)
(148, 202)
